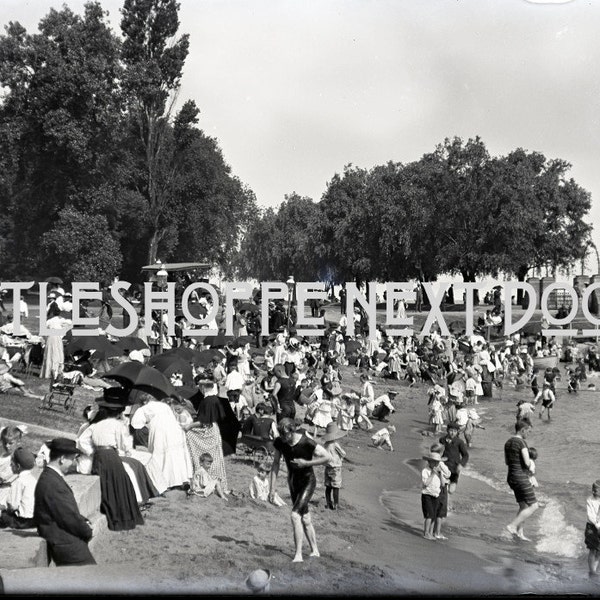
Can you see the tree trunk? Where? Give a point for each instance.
(153, 247)
(521, 274)
(469, 277)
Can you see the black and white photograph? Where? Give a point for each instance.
(299, 298)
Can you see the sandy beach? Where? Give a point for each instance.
(374, 544)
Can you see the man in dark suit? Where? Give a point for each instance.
(66, 531)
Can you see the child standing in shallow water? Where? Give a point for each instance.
(432, 478)
(592, 535)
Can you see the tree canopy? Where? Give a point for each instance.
(456, 210)
(87, 127)
(103, 169)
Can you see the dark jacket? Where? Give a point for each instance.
(456, 452)
(59, 521)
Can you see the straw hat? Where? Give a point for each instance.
(332, 433)
(259, 581)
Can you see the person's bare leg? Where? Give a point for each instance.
(298, 536)
(427, 526)
(219, 490)
(593, 559)
(515, 526)
(309, 530)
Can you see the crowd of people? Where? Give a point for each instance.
(291, 396)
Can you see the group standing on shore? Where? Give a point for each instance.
(236, 394)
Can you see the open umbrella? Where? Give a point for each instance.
(186, 391)
(99, 343)
(135, 374)
(532, 328)
(131, 343)
(205, 357)
(218, 340)
(183, 352)
(249, 307)
(189, 355)
(352, 346)
(57, 280)
(169, 364)
(242, 341)
(197, 310)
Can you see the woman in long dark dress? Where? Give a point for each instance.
(516, 457)
(104, 437)
(301, 454)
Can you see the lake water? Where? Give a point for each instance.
(568, 463)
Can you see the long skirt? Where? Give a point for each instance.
(142, 484)
(54, 357)
(118, 501)
(208, 439)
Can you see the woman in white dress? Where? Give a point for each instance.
(54, 353)
(166, 441)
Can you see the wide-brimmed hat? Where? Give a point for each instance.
(63, 446)
(333, 432)
(294, 342)
(259, 580)
(435, 456)
(113, 397)
(438, 389)
(392, 392)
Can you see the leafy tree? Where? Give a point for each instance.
(154, 61)
(408, 243)
(214, 208)
(282, 243)
(345, 230)
(57, 119)
(81, 247)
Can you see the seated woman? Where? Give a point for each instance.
(9, 384)
(102, 440)
(81, 371)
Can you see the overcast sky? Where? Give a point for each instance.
(295, 89)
